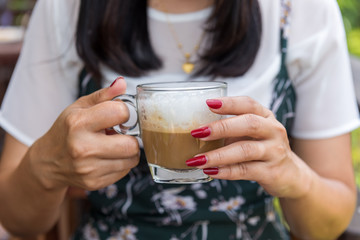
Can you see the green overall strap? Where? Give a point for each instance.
(87, 83)
(284, 96)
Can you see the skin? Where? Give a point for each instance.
(178, 6)
(313, 178)
(75, 152)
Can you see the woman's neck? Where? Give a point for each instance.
(180, 6)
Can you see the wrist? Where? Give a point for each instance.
(304, 181)
(41, 168)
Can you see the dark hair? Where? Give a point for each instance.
(115, 33)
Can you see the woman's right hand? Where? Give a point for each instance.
(77, 152)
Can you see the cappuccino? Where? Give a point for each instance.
(171, 150)
(166, 115)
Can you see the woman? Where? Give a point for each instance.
(55, 141)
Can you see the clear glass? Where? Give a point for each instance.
(163, 115)
(167, 113)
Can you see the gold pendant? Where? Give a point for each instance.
(188, 67)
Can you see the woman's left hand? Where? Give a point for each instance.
(257, 148)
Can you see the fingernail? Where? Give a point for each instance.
(201, 132)
(196, 161)
(214, 103)
(211, 171)
(110, 131)
(116, 80)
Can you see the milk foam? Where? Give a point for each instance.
(176, 111)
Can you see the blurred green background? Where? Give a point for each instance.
(351, 15)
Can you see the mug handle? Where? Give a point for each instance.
(131, 127)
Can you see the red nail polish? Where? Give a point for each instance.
(211, 171)
(110, 131)
(201, 132)
(214, 103)
(196, 161)
(116, 80)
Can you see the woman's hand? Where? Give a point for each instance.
(76, 151)
(257, 148)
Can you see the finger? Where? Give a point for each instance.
(113, 178)
(104, 146)
(239, 152)
(95, 167)
(117, 147)
(251, 171)
(95, 173)
(105, 115)
(110, 131)
(116, 88)
(110, 166)
(246, 125)
(229, 141)
(96, 183)
(113, 171)
(237, 106)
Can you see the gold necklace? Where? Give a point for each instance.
(188, 66)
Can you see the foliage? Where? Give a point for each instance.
(356, 154)
(350, 10)
(354, 41)
(20, 5)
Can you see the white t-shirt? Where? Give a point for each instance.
(45, 80)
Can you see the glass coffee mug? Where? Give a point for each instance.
(165, 114)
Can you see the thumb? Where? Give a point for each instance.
(116, 88)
